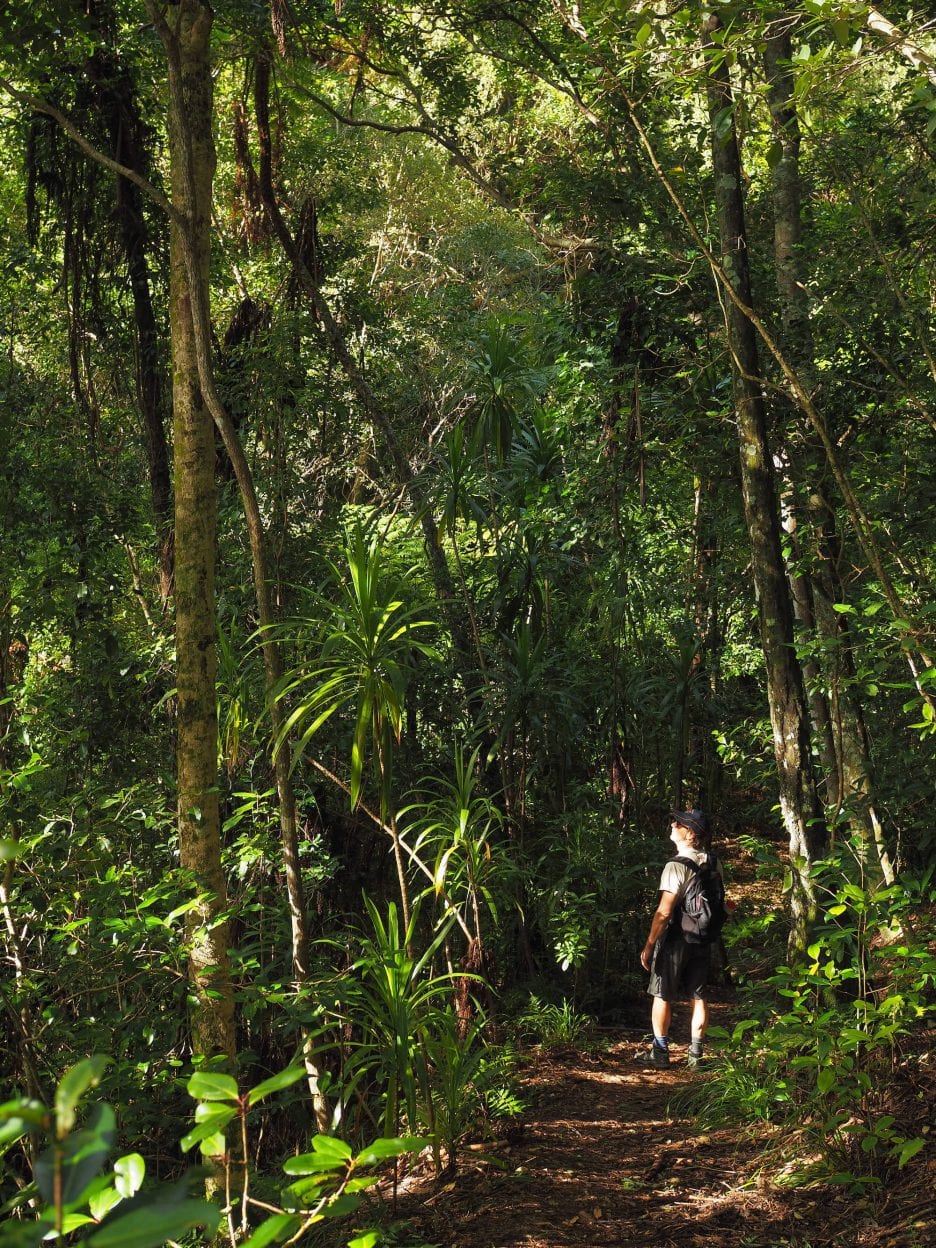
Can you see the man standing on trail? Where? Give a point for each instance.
(678, 958)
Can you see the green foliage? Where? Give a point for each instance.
(554, 1026)
(323, 1183)
(390, 1003)
(827, 1060)
(543, 338)
(73, 1190)
(461, 829)
(364, 653)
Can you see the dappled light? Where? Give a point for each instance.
(467, 624)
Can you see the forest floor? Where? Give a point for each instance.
(610, 1154)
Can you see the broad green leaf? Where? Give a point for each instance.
(826, 1079)
(340, 1206)
(16, 1118)
(72, 1221)
(217, 1113)
(359, 1185)
(82, 1153)
(212, 1145)
(72, 1087)
(311, 1163)
(205, 1085)
(24, 1107)
(213, 1125)
(367, 1240)
(11, 1130)
(285, 1079)
(308, 1190)
(278, 1227)
(330, 1146)
(101, 1203)
(154, 1222)
(643, 35)
(909, 1149)
(130, 1172)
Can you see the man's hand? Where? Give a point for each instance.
(645, 956)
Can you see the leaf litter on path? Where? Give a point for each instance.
(609, 1158)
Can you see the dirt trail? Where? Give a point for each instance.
(610, 1156)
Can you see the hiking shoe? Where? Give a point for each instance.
(696, 1061)
(656, 1057)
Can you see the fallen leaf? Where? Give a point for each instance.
(596, 1212)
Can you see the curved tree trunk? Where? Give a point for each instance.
(786, 697)
(195, 171)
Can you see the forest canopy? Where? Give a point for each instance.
(436, 443)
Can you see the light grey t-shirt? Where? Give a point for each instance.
(676, 875)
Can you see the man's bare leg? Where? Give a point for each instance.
(700, 1022)
(660, 1017)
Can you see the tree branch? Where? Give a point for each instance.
(41, 105)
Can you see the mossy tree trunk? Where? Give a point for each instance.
(192, 169)
(838, 721)
(786, 696)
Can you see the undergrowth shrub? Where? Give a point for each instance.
(552, 1026)
(828, 1053)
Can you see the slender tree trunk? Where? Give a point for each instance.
(191, 141)
(797, 337)
(149, 376)
(785, 693)
(117, 102)
(840, 730)
(193, 237)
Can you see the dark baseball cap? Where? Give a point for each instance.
(695, 819)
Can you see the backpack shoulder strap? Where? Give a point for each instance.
(688, 862)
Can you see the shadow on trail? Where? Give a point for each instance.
(611, 1156)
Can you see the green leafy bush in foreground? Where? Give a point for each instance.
(74, 1190)
(829, 1064)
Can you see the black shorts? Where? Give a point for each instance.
(679, 969)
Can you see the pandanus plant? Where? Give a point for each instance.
(460, 827)
(360, 661)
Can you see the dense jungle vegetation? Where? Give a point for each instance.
(436, 441)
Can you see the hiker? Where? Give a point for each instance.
(678, 949)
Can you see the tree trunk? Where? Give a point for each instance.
(149, 374)
(190, 130)
(840, 730)
(785, 693)
(196, 167)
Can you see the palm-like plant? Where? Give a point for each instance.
(503, 384)
(362, 660)
(460, 825)
(392, 1001)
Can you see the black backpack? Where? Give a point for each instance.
(702, 906)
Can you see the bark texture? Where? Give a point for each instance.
(192, 170)
(837, 720)
(786, 697)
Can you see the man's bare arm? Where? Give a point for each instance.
(658, 926)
